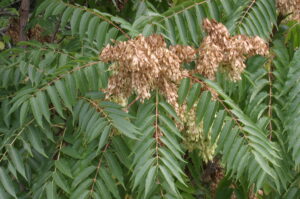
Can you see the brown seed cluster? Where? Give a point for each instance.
(219, 49)
(185, 53)
(144, 64)
(290, 7)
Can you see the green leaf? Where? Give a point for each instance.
(209, 116)
(167, 177)
(7, 183)
(193, 95)
(218, 123)
(75, 21)
(61, 182)
(264, 165)
(141, 171)
(51, 190)
(170, 124)
(71, 152)
(124, 126)
(118, 112)
(150, 179)
(17, 103)
(168, 135)
(172, 148)
(109, 182)
(112, 33)
(170, 31)
(83, 175)
(63, 94)
(81, 189)
(175, 172)
(55, 100)
(81, 81)
(171, 159)
(96, 129)
(17, 161)
(59, 8)
(3, 193)
(213, 9)
(23, 112)
(36, 110)
(101, 33)
(50, 8)
(191, 25)
(227, 6)
(104, 137)
(83, 23)
(42, 7)
(202, 105)
(66, 16)
(35, 141)
(103, 190)
(181, 29)
(114, 166)
(91, 28)
(43, 104)
(63, 166)
(84, 194)
(183, 90)
(169, 109)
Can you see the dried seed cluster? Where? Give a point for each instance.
(185, 53)
(144, 64)
(219, 49)
(290, 7)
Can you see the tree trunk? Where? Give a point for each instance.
(24, 14)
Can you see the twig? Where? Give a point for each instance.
(246, 12)
(133, 102)
(156, 128)
(98, 167)
(61, 143)
(270, 111)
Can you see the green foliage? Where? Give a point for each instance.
(61, 138)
